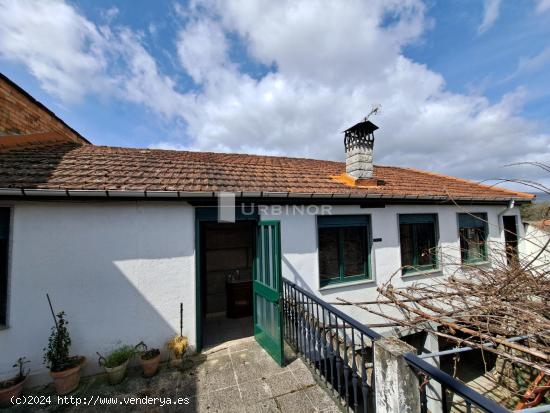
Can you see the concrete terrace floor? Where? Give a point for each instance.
(236, 376)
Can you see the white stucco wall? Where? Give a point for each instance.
(119, 271)
(300, 257)
(533, 245)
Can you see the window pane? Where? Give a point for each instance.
(328, 253)
(4, 246)
(473, 235)
(406, 238)
(354, 248)
(418, 242)
(425, 240)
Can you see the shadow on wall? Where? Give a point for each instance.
(118, 271)
(296, 277)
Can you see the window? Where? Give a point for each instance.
(4, 246)
(418, 239)
(344, 248)
(472, 230)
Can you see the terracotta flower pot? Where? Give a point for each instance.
(9, 392)
(150, 366)
(67, 380)
(116, 374)
(174, 361)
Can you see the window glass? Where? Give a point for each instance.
(418, 241)
(343, 248)
(407, 247)
(354, 250)
(328, 253)
(4, 247)
(425, 234)
(473, 235)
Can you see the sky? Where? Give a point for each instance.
(463, 85)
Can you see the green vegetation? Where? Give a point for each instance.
(536, 211)
(118, 356)
(56, 355)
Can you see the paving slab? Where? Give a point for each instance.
(236, 376)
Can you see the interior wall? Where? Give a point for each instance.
(228, 247)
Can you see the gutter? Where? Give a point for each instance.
(108, 193)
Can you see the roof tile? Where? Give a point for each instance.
(73, 166)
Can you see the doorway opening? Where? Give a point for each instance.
(510, 238)
(227, 256)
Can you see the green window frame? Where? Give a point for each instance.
(473, 232)
(418, 240)
(5, 218)
(341, 239)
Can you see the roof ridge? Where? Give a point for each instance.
(468, 181)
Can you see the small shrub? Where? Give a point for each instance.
(145, 352)
(21, 375)
(150, 354)
(117, 357)
(178, 345)
(56, 355)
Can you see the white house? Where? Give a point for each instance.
(535, 245)
(121, 237)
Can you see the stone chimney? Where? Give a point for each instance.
(359, 142)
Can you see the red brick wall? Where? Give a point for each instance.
(21, 114)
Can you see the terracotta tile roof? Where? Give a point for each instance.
(72, 166)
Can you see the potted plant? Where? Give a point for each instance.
(177, 346)
(13, 387)
(64, 369)
(149, 359)
(116, 363)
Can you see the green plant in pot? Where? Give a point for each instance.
(149, 358)
(116, 363)
(12, 387)
(64, 368)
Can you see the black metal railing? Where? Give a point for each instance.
(340, 350)
(337, 347)
(468, 400)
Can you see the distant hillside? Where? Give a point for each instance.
(541, 197)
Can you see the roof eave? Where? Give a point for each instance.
(110, 193)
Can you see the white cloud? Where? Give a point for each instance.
(542, 6)
(491, 11)
(533, 64)
(58, 46)
(328, 75)
(330, 64)
(72, 57)
(202, 49)
(110, 13)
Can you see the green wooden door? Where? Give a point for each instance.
(268, 324)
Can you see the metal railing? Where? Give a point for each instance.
(337, 347)
(471, 399)
(340, 350)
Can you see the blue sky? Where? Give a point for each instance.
(463, 84)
